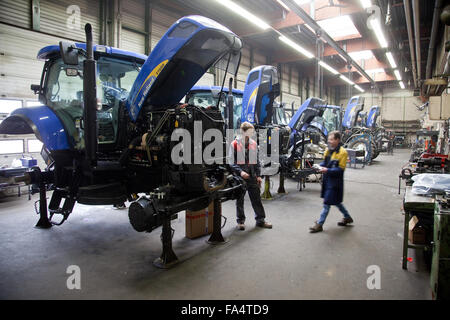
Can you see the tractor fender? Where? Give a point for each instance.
(41, 121)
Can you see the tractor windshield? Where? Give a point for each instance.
(64, 94)
(280, 116)
(205, 99)
(330, 120)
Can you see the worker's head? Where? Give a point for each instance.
(334, 138)
(247, 130)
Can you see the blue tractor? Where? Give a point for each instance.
(108, 122)
(354, 136)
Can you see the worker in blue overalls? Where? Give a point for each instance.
(333, 181)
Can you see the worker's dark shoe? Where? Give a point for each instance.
(240, 226)
(264, 224)
(345, 221)
(316, 228)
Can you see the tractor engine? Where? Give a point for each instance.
(172, 150)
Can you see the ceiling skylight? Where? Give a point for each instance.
(338, 27)
(361, 55)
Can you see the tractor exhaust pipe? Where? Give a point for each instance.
(90, 100)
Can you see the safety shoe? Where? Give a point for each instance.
(241, 226)
(344, 222)
(315, 228)
(264, 224)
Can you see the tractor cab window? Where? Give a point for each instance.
(330, 119)
(279, 115)
(64, 94)
(205, 99)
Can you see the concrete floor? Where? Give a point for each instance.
(286, 262)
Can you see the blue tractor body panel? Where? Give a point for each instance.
(249, 99)
(354, 106)
(53, 50)
(41, 121)
(261, 89)
(372, 117)
(210, 88)
(299, 116)
(177, 62)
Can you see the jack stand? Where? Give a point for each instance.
(43, 222)
(216, 235)
(281, 185)
(168, 258)
(266, 194)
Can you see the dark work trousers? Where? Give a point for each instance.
(255, 198)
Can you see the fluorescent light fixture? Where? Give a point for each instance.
(297, 47)
(376, 26)
(244, 13)
(346, 79)
(283, 5)
(402, 85)
(340, 26)
(366, 3)
(326, 66)
(361, 55)
(391, 60)
(359, 88)
(397, 75)
(373, 71)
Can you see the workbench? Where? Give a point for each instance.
(7, 173)
(413, 204)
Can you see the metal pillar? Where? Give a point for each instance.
(216, 235)
(168, 258)
(266, 194)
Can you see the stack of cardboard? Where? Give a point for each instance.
(199, 223)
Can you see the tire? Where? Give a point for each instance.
(375, 151)
(360, 142)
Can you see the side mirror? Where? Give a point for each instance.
(36, 88)
(69, 53)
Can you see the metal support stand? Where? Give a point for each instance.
(168, 258)
(266, 194)
(216, 235)
(43, 222)
(281, 185)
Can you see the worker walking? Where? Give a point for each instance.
(244, 162)
(333, 181)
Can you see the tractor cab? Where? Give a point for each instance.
(206, 96)
(362, 119)
(329, 121)
(61, 93)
